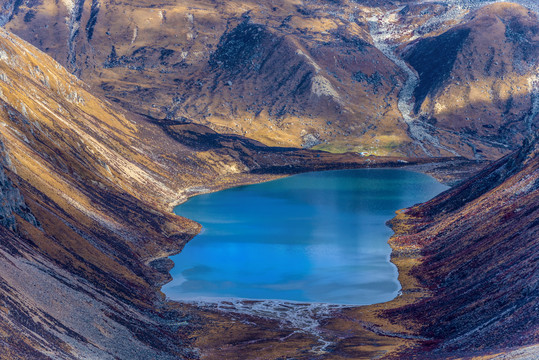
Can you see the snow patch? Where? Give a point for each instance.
(69, 4)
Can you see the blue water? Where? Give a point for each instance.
(316, 237)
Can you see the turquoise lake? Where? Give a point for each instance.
(315, 237)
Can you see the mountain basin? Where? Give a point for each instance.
(314, 237)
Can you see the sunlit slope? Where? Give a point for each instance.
(305, 74)
(478, 84)
(51, 124)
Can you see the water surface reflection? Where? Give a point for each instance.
(317, 237)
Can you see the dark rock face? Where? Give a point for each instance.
(11, 200)
(9, 9)
(433, 59)
(90, 25)
(242, 48)
(251, 52)
(247, 58)
(375, 79)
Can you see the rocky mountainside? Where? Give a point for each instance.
(86, 193)
(12, 202)
(335, 75)
(478, 79)
(86, 187)
(478, 247)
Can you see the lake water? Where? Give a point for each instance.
(316, 237)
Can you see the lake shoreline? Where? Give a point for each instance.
(448, 171)
(323, 235)
(333, 325)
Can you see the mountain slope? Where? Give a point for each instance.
(311, 74)
(477, 80)
(74, 280)
(296, 75)
(478, 249)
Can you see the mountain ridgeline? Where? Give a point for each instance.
(307, 74)
(121, 110)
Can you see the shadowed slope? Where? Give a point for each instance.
(478, 246)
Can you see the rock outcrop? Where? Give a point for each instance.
(11, 200)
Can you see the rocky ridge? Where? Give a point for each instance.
(311, 74)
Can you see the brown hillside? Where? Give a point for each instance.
(85, 224)
(294, 75)
(475, 79)
(478, 250)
